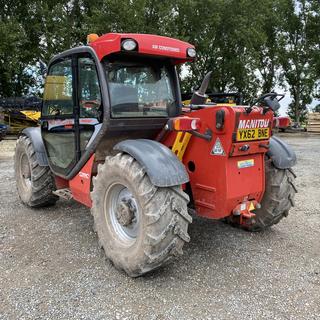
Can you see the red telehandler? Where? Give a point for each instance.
(115, 136)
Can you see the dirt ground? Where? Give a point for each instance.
(51, 266)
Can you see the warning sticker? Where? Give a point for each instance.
(218, 148)
(245, 163)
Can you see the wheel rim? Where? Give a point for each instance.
(25, 171)
(124, 213)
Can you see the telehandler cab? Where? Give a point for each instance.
(115, 136)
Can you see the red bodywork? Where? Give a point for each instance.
(147, 44)
(217, 182)
(281, 122)
(80, 185)
(152, 45)
(220, 183)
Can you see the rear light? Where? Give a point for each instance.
(129, 45)
(184, 124)
(191, 52)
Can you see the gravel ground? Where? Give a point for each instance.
(51, 266)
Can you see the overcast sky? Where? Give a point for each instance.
(286, 101)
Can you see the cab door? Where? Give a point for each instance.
(71, 110)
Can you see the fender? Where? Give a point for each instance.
(161, 164)
(282, 155)
(34, 134)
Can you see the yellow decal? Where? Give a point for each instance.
(251, 207)
(180, 144)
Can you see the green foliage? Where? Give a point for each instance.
(298, 49)
(251, 46)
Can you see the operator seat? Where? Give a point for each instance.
(124, 98)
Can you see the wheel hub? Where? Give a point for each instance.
(25, 170)
(125, 212)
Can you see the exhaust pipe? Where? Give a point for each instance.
(200, 97)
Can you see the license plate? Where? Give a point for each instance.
(253, 134)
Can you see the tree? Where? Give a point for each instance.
(32, 30)
(13, 56)
(297, 57)
(251, 46)
(227, 41)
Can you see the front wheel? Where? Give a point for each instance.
(140, 226)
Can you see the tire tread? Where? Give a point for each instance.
(278, 198)
(42, 181)
(165, 213)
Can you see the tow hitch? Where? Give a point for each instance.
(242, 213)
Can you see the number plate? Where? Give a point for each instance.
(253, 134)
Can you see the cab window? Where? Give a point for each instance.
(89, 89)
(139, 89)
(58, 91)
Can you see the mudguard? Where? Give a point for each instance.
(34, 134)
(161, 164)
(282, 155)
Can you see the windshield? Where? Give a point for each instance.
(139, 90)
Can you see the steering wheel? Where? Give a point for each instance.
(272, 96)
(90, 108)
(90, 104)
(268, 101)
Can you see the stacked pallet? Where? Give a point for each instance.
(314, 122)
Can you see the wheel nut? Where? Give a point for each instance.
(124, 214)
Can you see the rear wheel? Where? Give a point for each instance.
(34, 183)
(140, 226)
(277, 200)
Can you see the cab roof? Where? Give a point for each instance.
(147, 44)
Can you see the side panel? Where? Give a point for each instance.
(162, 166)
(35, 136)
(80, 185)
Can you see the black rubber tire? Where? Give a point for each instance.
(163, 229)
(39, 192)
(278, 197)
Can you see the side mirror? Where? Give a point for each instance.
(272, 102)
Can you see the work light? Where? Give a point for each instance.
(129, 45)
(191, 52)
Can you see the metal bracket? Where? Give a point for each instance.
(242, 213)
(206, 136)
(180, 144)
(63, 193)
